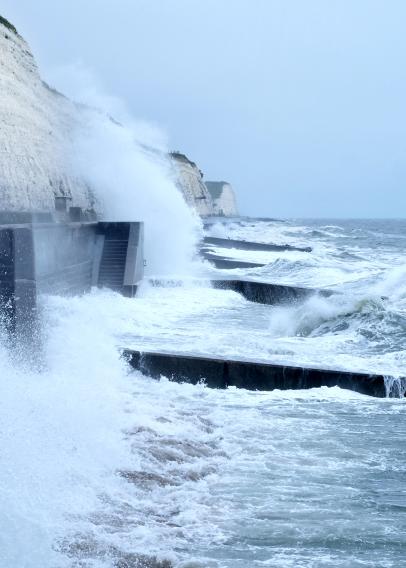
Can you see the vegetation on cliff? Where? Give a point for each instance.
(176, 155)
(8, 25)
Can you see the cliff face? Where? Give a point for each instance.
(36, 132)
(189, 180)
(223, 197)
(38, 127)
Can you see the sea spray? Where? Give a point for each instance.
(392, 284)
(395, 386)
(126, 164)
(61, 438)
(133, 183)
(99, 466)
(319, 314)
(183, 472)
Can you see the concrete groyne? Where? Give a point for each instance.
(225, 263)
(253, 246)
(267, 293)
(251, 375)
(253, 291)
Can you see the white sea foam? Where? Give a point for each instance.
(101, 466)
(61, 438)
(185, 453)
(331, 263)
(393, 283)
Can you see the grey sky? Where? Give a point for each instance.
(299, 104)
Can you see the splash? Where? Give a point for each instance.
(126, 163)
(99, 467)
(393, 283)
(395, 386)
(310, 316)
(60, 434)
(133, 182)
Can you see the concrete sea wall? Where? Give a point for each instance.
(64, 259)
(64, 256)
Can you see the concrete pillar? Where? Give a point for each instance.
(25, 292)
(18, 295)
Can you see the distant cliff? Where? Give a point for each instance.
(208, 198)
(223, 198)
(189, 180)
(36, 131)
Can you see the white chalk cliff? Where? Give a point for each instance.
(38, 126)
(211, 198)
(36, 131)
(189, 180)
(223, 197)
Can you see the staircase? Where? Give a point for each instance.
(112, 264)
(119, 262)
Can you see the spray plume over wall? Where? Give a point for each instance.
(65, 430)
(126, 163)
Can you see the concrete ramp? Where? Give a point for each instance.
(251, 375)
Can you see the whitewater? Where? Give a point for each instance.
(103, 467)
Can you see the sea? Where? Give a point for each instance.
(102, 467)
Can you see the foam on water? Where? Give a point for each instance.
(348, 254)
(353, 333)
(61, 438)
(102, 467)
(94, 472)
(363, 326)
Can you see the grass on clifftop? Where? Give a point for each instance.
(7, 24)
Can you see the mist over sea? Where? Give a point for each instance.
(103, 467)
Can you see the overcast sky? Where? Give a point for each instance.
(300, 104)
